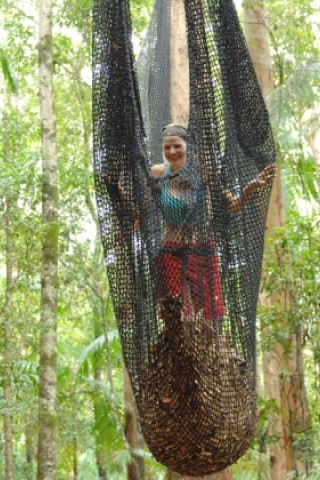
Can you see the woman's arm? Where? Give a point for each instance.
(235, 203)
(118, 187)
(158, 170)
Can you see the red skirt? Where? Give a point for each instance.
(192, 273)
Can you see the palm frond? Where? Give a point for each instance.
(93, 350)
(102, 390)
(87, 469)
(105, 410)
(298, 94)
(294, 110)
(121, 457)
(7, 72)
(26, 373)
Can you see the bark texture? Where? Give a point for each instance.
(47, 402)
(30, 447)
(7, 355)
(179, 94)
(283, 374)
(257, 36)
(131, 429)
(179, 81)
(100, 455)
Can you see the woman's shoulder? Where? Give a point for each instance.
(159, 170)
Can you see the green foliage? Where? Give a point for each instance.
(253, 466)
(97, 346)
(293, 108)
(300, 240)
(293, 266)
(7, 71)
(293, 35)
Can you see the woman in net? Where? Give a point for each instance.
(188, 266)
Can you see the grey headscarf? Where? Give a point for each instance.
(175, 130)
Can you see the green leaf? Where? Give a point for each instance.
(7, 72)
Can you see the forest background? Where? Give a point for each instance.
(92, 419)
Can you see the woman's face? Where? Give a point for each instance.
(175, 151)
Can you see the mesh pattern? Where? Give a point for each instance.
(183, 260)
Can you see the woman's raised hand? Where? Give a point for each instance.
(261, 180)
(266, 174)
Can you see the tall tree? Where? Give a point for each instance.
(283, 378)
(179, 94)
(49, 277)
(257, 35)
(135, 469)
(7, 319)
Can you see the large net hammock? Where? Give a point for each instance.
(184, 266)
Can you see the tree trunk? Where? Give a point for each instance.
(100, 455)
(131, 429)
(257, 35)
(286, 389)
(100, 459)
(179, 58)
(75, 460)
(29, 447)
(48, 377)
(7, 355)
(179, 95)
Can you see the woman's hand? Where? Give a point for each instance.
(261, 180)
(137, 224)
(235, 203)
(266, 174)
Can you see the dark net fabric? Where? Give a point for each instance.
(183, 250)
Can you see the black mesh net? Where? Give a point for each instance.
(183, 247)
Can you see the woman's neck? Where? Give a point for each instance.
(174, 167)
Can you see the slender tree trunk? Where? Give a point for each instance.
(135, 470)
(132, 431)
(48, 377)
(29, 448)
(100, 455)
(179, 81)
(100, 459)
(7, 356)
(257, 35)
(283, 376)
(75, 459)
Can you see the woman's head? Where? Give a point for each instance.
(175, 130)
(174, 143)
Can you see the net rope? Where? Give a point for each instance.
(184, 249)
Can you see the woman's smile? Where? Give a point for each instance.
(174, 149)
